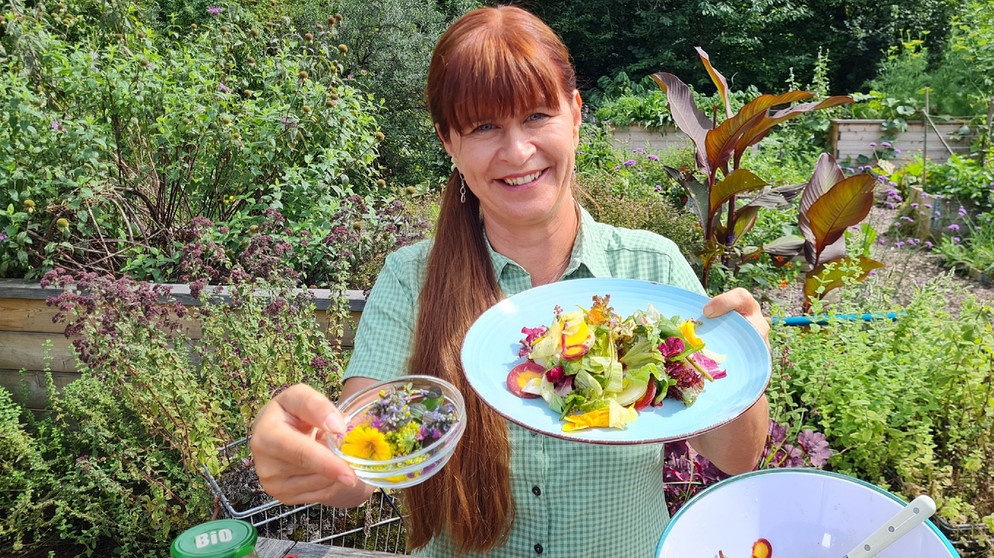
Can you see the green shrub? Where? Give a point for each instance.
(638, 206)
(622, 102)
(596, 152)
(906, 403)
(649, 110)
(25, 478)
(964, 80)
(972, 249)
(390, 44)
(964, 180)
(117, 466)
(115, 137)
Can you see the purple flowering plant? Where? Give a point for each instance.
(644, 169)
(193, 390)
(685, 472)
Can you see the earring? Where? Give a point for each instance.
(462, 188)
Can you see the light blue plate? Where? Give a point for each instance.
(490, 351)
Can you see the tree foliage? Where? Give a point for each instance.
(759, 42)
(390, 44)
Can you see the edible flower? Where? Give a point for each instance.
(689, 333)
(400, 422)
(611, 416)
(367, 442)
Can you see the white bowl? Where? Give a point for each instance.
(413, 468)
(803, 513)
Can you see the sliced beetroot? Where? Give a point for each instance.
(521, 375)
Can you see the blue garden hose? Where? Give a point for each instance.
(823, 320)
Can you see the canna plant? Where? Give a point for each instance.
(719, 147)
(830, 204)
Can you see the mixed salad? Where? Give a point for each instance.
(597, 369)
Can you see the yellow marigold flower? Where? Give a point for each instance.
(366, 442)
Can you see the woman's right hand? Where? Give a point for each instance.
(293, 462)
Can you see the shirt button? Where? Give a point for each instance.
(538, 549)
(536, 490)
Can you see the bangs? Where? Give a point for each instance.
(497, 85)
(497, 72)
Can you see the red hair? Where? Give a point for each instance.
(492, 62)
(496, 62)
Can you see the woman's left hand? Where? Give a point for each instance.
(736, 446)
(741, 301)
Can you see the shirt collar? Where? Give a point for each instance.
(588, 250)
(587, 253)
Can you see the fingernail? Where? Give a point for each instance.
(708, 311)
(347, 480)
(334, 423)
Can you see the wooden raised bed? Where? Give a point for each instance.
(653, 140)
(852, 138)
(30, 342)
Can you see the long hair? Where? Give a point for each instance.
(491, 63)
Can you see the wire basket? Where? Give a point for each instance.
(375, 525)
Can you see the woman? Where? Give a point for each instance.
(503, 96)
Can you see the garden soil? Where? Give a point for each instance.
(905, 269)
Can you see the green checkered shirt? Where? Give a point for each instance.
(572, 499)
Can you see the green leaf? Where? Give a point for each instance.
(832, 275)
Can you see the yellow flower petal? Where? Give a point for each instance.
(366, 442)
(687, 329)
(612, 416)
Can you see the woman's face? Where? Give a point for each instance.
(521, 167)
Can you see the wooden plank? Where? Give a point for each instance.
(272, 548)
(34, 315)
(17, 288)
(27, 387)
(656, 141)
(852, 138)
(28, 350)
(31, 342)
(20, 314)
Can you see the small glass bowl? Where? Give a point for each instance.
(415, 467)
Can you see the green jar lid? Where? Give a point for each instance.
(224, 538)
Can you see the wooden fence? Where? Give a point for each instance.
(31, 343)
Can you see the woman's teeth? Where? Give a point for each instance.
(522, 179)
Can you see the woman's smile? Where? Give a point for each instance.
(521, 180)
